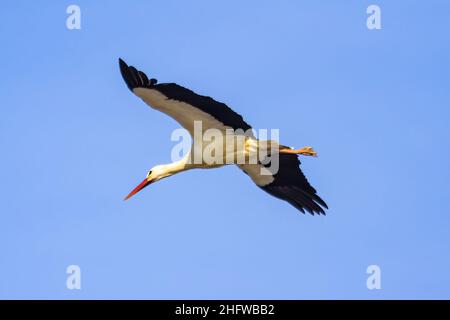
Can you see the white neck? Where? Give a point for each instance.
(177, 166)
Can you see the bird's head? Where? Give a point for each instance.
(155, 174)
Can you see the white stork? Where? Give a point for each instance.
(185, 106)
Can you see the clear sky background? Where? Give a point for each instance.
(74, 141)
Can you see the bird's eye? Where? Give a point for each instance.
(149, 173)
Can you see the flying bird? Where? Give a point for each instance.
(186, 107)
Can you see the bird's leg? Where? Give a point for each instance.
(306, 151)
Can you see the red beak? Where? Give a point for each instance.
(141, 186)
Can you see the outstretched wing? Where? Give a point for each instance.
(288, 184)
(183, 105)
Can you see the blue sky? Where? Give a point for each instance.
(373, 103)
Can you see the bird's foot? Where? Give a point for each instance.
(306, 151)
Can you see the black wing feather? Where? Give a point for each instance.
(220, 111)
(291, 185)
